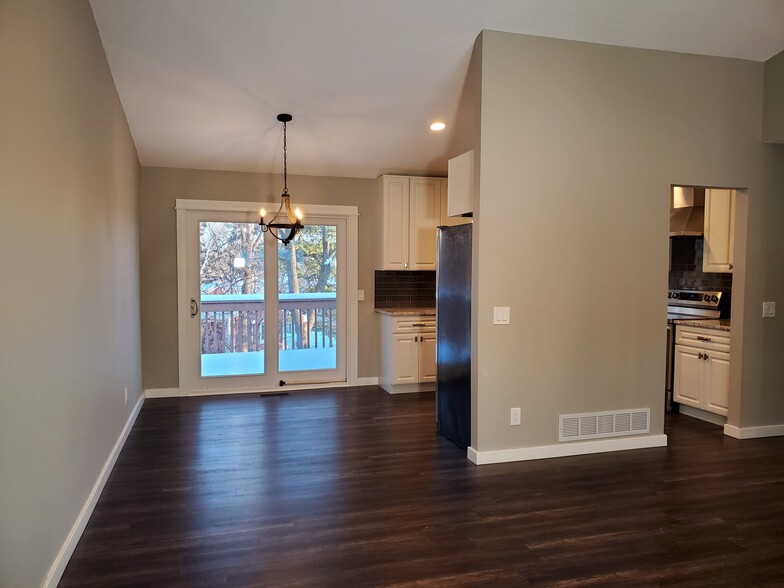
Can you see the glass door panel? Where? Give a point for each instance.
(308, 300)
(231, 290)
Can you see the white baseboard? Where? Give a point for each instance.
(565, 449)
(366, 382)
(703, 415)
(163, 393)
(66, 551)
(754, 432)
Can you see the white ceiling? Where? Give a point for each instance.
(201, 81)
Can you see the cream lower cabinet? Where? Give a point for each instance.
(702, 374)
(407, 354)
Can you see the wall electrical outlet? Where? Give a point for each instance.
(126, 396)
(768, 309)
(360, 295)
(514, 416)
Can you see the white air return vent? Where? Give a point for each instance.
(595, 425)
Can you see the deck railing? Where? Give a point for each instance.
(235, 322)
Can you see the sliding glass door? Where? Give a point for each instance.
(260, 313)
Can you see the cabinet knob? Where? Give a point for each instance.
(699, 355)
(405, 264)
(730, 266)
(705, 356)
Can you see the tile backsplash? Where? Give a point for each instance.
(400, 289)
(686, 269)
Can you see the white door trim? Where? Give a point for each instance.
(349, 213)
(221, 206)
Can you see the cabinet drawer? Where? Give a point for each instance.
(414, 324)
(703, 338)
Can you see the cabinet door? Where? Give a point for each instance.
(719, 230)
(717, 384)
(425, 208)
(689, 380)
(427, 358)
(446, 220)
(396, 223)
(405, 359)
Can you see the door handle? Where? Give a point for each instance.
(194, 307)
(419, 325)
(700, 338)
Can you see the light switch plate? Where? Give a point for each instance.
(514, 417)
(768, 309)
(501, 315)
(360, 295)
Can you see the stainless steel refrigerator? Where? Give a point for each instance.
(453, 334)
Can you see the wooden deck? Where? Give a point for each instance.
(353, 488)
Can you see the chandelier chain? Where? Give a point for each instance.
(285, 171)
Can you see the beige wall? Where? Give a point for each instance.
(161, 187)
(69, 235)
(579, 145)
(773, 116)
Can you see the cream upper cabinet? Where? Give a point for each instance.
(425, 214)
(396, 222)
(412, 212)
(719, 230)
(446, 220)
(461, 189)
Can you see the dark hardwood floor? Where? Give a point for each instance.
(353, 488)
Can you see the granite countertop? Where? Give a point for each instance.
(718, 324)
(407, 311)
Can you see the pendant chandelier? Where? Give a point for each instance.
(275, 226)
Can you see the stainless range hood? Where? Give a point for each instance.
(687, 212)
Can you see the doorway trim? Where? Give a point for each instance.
(349, 213)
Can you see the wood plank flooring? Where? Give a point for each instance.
(353, 488)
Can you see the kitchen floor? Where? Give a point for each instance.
(353, 488)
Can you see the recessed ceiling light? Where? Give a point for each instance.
(438, 126)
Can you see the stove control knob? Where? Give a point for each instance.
(675, 295)
(714, 298)
(706, 297)
(669, 294)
